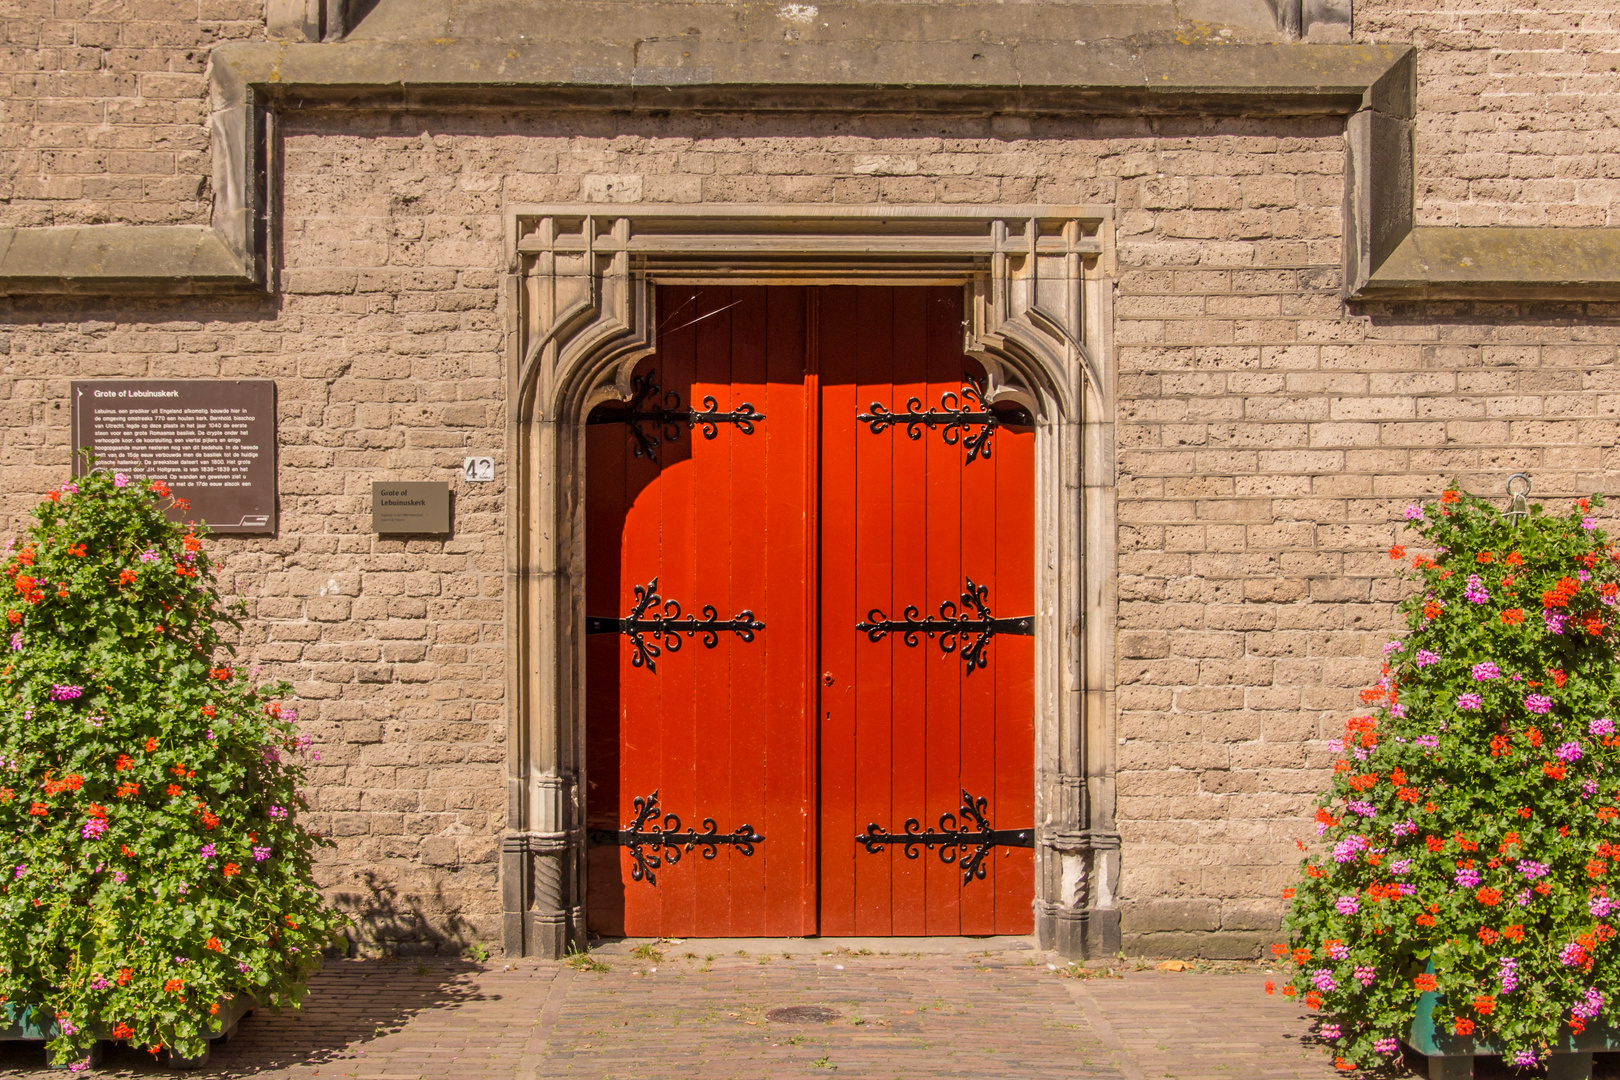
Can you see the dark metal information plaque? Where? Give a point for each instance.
(213, 441)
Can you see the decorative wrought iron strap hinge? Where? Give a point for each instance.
(951, 625)
(955, 836)
(956, 415)
(667, 624)
(654, 843)
(655, 420)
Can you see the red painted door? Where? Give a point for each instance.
(913, 518)
(823, 520)
(712, 516)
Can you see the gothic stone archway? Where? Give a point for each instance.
(581, 297)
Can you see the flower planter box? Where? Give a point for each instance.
(31, 1027)
(1451, 1057)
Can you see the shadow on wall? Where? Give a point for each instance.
(387, 924)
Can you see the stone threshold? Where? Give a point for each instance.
(818, 946)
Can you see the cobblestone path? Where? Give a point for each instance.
(693, 1017)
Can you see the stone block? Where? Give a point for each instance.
(1154, 916)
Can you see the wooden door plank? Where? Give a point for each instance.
(915, 548)
(947, 678)
(1014, 734)
(810, 723)
(770, 501)
(840, 647)
(978, 537)
(744, 466)
(642, 693)
(874, 588)
(707, 763)
(605, 513)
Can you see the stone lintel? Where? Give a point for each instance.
(1499, 263)
(1101, 78)
(1374, 85)
(916, 73)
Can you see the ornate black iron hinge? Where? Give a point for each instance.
(667, 624)
(956, 414)
(653, 843)
(951, 625)
(656, 417)
(954, 837)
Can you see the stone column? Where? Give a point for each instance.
(540, 880)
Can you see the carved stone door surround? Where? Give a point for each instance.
(580, 297)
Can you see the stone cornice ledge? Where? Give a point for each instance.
(104, 260)
(1499, 263)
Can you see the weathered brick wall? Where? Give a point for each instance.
(103, 108)
(1516, 104)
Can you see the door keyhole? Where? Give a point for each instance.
(826, 678)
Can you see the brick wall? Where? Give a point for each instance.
(103, 118)
(1516, 104)
(103, 111)
(394, 649)
(1265, 463)
(1267, 440)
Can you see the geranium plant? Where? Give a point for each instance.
(1466, 843)
(153, 863)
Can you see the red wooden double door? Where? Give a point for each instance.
(810, 601)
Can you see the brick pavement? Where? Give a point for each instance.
(982, 1015)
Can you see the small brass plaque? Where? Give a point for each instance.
(410, 507)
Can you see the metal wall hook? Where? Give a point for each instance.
(1518, 502)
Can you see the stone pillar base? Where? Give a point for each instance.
(547, 935)
(536, 920)
(1078, 933)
